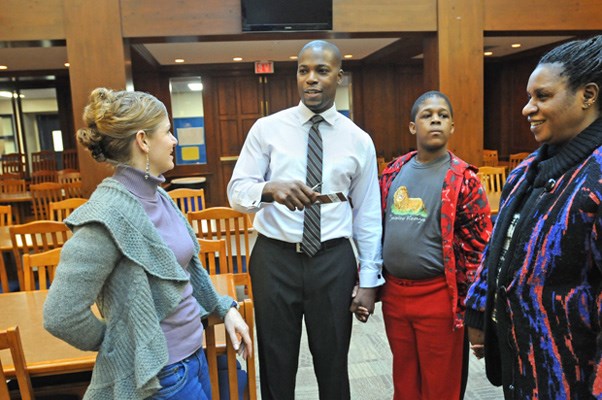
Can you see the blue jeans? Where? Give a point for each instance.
(185, 380)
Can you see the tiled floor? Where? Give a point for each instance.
(370, 367)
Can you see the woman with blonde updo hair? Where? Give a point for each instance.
(134, 254)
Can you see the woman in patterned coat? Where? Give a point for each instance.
(534, 310)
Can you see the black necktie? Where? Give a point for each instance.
(311, 242)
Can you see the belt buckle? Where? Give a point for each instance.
(298, 248)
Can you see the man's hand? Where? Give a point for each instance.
(362, 304)
(295, 195)
(476, 337)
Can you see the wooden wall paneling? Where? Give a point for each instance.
(154, 18)
(558, 15)
(381, 112)
(31, 20)
(98, 57)
(460, 72)
(280, 92)
(411, 85)
(384, 15)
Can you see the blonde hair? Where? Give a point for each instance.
(112, 119)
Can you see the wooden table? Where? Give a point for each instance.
(21, 202)
(45, 354)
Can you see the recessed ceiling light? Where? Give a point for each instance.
(348, 56)
(6, 94)
(195, 86)
(3, 67)
(515, 45)
(292, 57)
(179, 60)
(237, 59)
(488, 53)
(67, 65)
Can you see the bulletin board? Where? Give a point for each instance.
(190, 133)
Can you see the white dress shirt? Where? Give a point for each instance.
(276, 149)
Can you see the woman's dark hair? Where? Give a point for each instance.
(581, 61)
(427, 95)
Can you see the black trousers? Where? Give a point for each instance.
(288, 286)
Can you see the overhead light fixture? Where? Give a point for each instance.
(292, 57)
(237, 59)
(6, 94)
(195, 86)
(488, 53)
(515, 45)
(179, 60)
(348, 56)
(3, 67)
(67, 65)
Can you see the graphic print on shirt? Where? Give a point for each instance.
(405, 206)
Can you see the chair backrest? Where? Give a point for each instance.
(234, 373)
(41, 264)
(36, 237)
(211, 252)
(59, 210)
(72, 189)
(6, 219)
(11, 340)
(46, 175)
(490, 158)
(43, 160)
(70, 159)
(42, 195)
(234, 227)
(492, 178)
(188, 199)
(13, 186)
(14, 163)
(516, 159)
(69, 175)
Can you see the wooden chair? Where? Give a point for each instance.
(42, 176)
(6, 219)
(70, 159)
(9, 175)
(211, 252)
(14, 163)
(233, 226)
(215, 329)
(188, 199)
(59, 210)
(44, 264)
(36, 237)
(11, 340)
(42, 195)
(13, 186)
(44, 160)
(490, 158)
(493, 179)
(516, 159)
(72, 182)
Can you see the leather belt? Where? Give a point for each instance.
(297, 246)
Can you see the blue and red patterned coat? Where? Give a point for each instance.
(465, 225)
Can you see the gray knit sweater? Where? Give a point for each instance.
(117, 259)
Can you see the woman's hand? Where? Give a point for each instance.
(477, 342)
(235, 326)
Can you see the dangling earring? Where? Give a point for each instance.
(147, 169)
(586, 105)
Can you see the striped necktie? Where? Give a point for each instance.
(311, 242)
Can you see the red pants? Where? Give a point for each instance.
(427, 353)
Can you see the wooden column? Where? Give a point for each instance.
(453, 64)
(97, 57)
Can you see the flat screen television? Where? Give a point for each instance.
(286, 15)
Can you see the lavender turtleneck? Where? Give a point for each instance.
(182, 328)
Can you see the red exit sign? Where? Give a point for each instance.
(264, 67)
